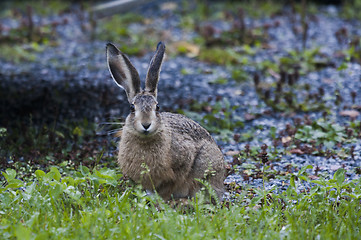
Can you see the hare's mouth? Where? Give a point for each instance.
(145, 129)
(146, 132)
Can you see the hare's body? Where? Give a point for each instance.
(165, 152)
(171, 160)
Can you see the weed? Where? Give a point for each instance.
(98, 204)
(52, 8)
(319, 137)
(284, 93)
(221, 56)
(218, 118)
(326, 133)
(351, 9)
(27, 37)
(117, 29)
(305, 61)
(39, 146)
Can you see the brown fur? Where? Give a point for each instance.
(164, 152)
(170, 160)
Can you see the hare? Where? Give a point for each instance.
(164, 152)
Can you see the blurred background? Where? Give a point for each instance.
(243, 69)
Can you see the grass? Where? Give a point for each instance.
(58, 182)
(26, 146)
(117, 29)
(63, 200)
(52, 7)
(22, 42)
(351, 9)
(99, 204)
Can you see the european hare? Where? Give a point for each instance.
(163, 151)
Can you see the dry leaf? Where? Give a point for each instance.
(249, 117)
(350, 113)
(296, 151)
(118, 134)
(170, 6)
(286, 139)
(274, 74)
(335, 167)
(328, 80)
(313, 177)
(192, 50)
(232, 153)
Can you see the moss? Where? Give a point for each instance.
(117, 29)
(351, 9)
(16, 53)
(221, 56)
(52, 7)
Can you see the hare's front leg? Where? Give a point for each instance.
(166, 190)
(176, 190)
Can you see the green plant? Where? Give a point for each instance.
(26, 145)
(305, 61)
(218, 118)
(98, 204)
(221, 56)
(2, 132)
(351, 9)
(116, 29)
(326, 133)
(52, 8)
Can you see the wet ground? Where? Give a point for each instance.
(71, 81)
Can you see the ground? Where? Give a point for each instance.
(276, 85)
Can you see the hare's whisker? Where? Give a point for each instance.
(111, 132)
(111, 123)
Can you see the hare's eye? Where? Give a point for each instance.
(157, 107)
(132, 108)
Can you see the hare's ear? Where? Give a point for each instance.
(151, 81)
(123, 72)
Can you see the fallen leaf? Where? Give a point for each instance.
(238, 92)
(274, 74)
(296, 151)
(268, 46)
(118, 134)
(286, 139)
(335, 167)
(350, 113)
(232, 153)
(313, 177)
(190, 49)
(328, 80)
(249, 117)
(208, 109)
(170, 6)
(285, 183)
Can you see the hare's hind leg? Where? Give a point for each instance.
(209, 166)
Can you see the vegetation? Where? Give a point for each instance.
(117, 29)
(96, 204)
(218, 118)
(351, 9)
(33, 147)
(23, 40)
(61, 180)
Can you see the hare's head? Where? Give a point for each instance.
(144, 116)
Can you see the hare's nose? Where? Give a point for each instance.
(146, 126)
